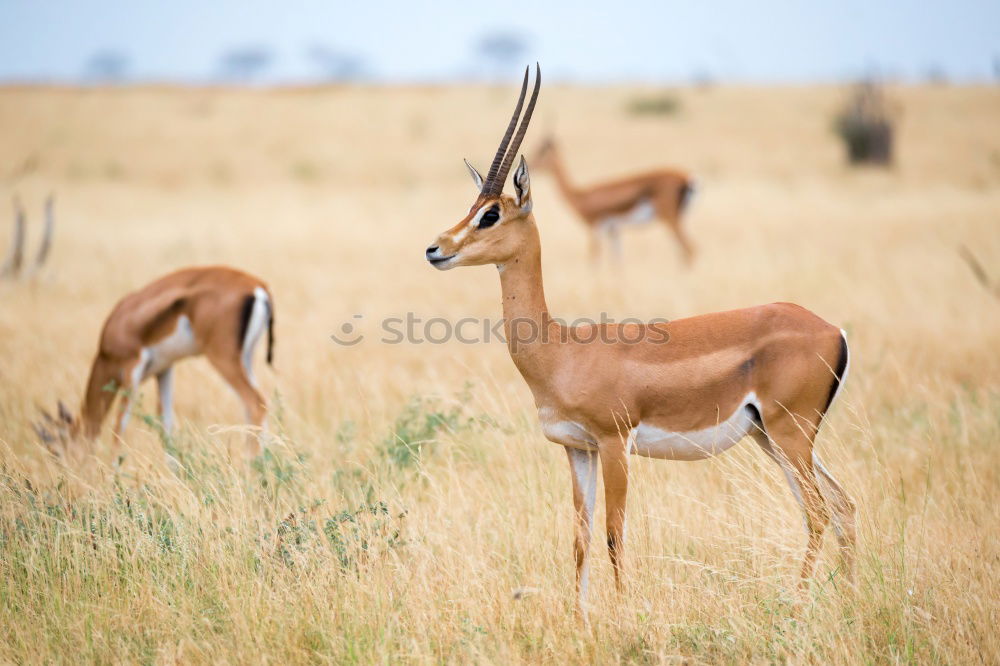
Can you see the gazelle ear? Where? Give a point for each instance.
(522, 186)
(476, 176)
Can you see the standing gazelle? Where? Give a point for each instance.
(662, 194)
(215, 311)
(683, 390)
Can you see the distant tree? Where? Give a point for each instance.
(244, 64)
(703, 78)
(336, 65)
(935, 75)
(107, 66)
(502, 51)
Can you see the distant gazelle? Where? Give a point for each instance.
(684, 390)
(608, 206)
(216, 312)
(14, 263)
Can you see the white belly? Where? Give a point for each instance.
(641, 213)
(169, 350)
(653, 442)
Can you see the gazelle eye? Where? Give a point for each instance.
(489, 218)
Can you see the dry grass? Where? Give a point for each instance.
(344, 545)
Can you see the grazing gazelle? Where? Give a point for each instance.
(214, 311)
(605, 207)
(683, 390)
(13, 264)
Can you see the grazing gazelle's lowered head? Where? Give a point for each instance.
(682, 390)
(497, 225)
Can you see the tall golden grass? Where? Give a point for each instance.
(411, 509)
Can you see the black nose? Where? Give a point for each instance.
(432, 249)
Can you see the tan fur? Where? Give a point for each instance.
(598, 203)
(606, 387)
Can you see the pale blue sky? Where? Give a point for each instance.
(644, 40)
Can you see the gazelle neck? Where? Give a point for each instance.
(525, 312)
(99, 396)
(562, 179)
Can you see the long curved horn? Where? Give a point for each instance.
(50, 222)
(496, 185)
(978, 271)
(15, 256)
(502, 150)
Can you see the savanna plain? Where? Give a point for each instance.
(409, 508)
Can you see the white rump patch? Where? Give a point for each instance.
(259, 317)
(847, 367)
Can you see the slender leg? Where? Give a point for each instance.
(165, 387)
(233, 372)
(124, 412)
(615, 240)
(844, 521)
(687, 248)
(595, 243)
(614, 468)
(583, 465)
(791, 448)
(666, 210)
(130, 386)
